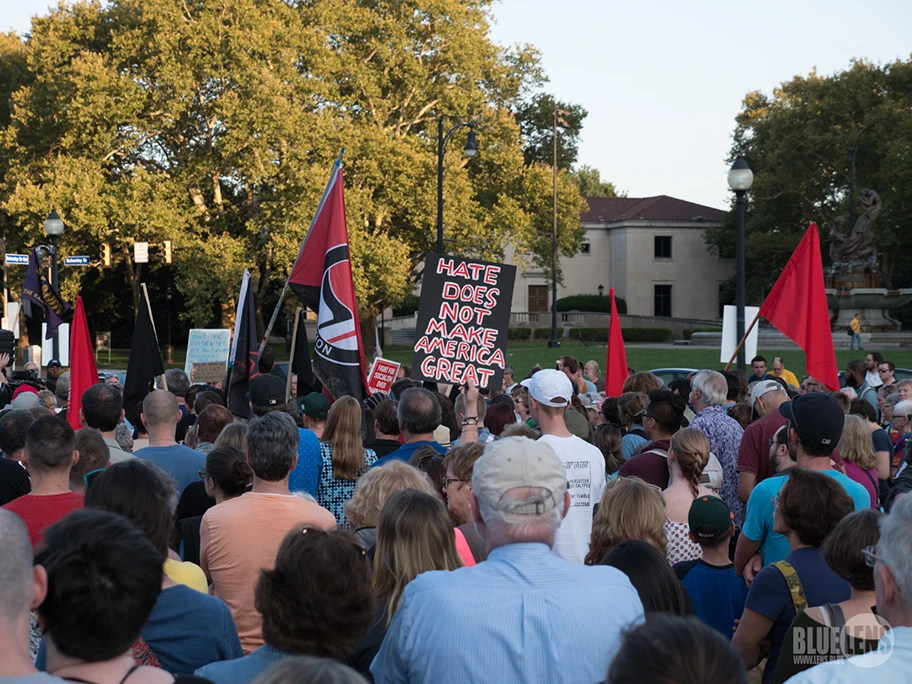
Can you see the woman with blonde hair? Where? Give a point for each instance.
(233, 435)
(374, 489)
(414, 536)
(688, 455)
(630, 409)
(643, 382)
(629, 509)
(856, 446)
(344, 457)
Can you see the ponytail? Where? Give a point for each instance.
(691, 450)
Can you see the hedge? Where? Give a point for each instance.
(589, 334)
(688, 332)
(545, 333)
(593, 302)
(407, 307)
(521, 334)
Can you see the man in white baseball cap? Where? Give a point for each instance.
(498, 619)
(549, 396)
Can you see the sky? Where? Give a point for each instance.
(663, 80)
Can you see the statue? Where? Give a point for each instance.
(854, 249)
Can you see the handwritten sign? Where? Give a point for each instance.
(206, 344)
(382, 376)
(209, 371)
(463, 317)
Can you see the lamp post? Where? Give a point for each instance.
(471, 148)
(558, 121)
(601, 290)
(740, 179)
(53, 226)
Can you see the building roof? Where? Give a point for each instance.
(659, 208)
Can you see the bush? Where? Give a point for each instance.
(599, 303)
(589, 334)
(647, 335)
(407, 307)
(521, 334)
(688, 332)
(545, 333)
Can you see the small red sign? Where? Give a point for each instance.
(382, 376)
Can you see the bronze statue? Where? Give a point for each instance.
(854, 248)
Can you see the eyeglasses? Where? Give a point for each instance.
(448, 481)
(883, 370)
(203, 474)
(773, 440)
(870, 555)
(91, 475)
(346, 537)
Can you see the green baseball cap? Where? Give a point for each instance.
(314, 405)
(709, 517)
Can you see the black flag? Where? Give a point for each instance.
(145, 362)
(301, 365)
(244, 360)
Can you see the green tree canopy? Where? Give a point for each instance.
(589, 181)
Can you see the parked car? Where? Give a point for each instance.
(669, 374)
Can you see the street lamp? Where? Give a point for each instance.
(601, 290)
(559, 120)
(470, 148)
(740, 179)
(53, 226)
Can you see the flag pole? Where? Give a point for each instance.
(294, 340)
(164, 383)
(743, 340)
(278, 306)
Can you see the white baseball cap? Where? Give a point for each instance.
(762, 388)
(550, 387)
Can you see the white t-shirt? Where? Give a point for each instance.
(873, 378)
(585, 468)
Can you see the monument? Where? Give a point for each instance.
(854, 282)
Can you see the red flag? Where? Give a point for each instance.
(797, 307)
(322, 279)
(616, 368)
(83, 373)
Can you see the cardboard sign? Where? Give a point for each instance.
(102, 341)
(382, 376)
(463, 317)
(209, 371)
(207, 345)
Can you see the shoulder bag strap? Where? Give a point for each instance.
(799, 600)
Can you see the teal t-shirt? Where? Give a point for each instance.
(758, 525)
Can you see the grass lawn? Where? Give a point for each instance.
(524, 355)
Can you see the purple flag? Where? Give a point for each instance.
(37, 289)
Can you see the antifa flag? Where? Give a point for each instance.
(145, 363)
(245, 354)
(301, 366)
(322, 280)
(83, 372)
(37, 289)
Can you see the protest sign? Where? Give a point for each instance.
(463, 317)
(209, 371)
(382, 376)
(205, 344)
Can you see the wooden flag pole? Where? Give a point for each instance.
(164, 383)
(294, 341)
(743, 340)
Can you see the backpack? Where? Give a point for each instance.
(712, 473)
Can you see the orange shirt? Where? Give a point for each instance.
(240, 537)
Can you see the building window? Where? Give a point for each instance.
(663, 300)
(663, 247)
(586, 248)
(538, 298)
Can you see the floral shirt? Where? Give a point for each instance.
(724, 435)
(679, 546)
(332, 492)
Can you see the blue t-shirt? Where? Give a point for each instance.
(243, 670)
(306, 475)
(758, 524)
(630, 443)
(181, 463)
(404, 453)
(769, 595)
(717, 593)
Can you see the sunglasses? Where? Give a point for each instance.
(870, 556)
(883, 370)
(91, 475)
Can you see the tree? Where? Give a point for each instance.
(797, 143)
(589, 181)
(536, 124)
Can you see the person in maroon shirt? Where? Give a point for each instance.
(49, 454)
(753, 454)
(661, 420)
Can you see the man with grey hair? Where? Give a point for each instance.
(592, 373)
(508, 379)
(723, 432)
(241, 536)
(891, 662)
(419, 414)
(160, 414)
(753, 456)
(23, 587)
(524, 614)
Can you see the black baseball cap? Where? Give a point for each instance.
(267, 390)
(816, 417)
(54, 362)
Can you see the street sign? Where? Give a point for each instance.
(17, 259)
(141, 252)
(76, 261)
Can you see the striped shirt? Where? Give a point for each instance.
(524, 615)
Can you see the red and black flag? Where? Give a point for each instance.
(244, 358)
(322, 280)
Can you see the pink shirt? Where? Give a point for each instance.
(856, 473)
(240, 537)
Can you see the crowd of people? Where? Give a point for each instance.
(722, 528)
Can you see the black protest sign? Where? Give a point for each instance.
(463, 317)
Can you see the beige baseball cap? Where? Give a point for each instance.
(519, 462)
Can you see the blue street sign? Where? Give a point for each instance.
(17, 259)
(76, 261)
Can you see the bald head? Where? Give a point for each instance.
(160, 411)
(16, 585)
